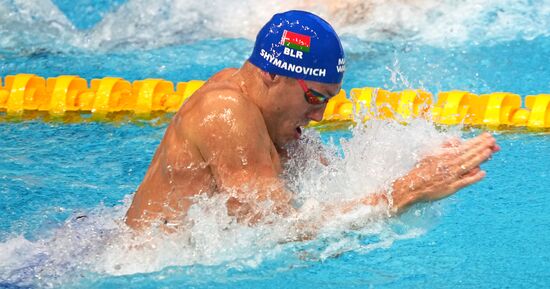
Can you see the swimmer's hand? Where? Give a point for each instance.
(438, 176)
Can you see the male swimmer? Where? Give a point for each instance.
(229, 136)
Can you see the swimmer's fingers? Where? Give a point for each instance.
(461, 169)
(455, 151)
(451, 143)
(482, 140)
(472, 172)
(469, 179)
(475, 153)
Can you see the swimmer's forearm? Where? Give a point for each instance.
(402, 196)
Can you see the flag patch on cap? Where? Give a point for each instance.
(296, 41)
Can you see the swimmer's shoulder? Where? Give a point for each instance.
(223, 115)
(216, 89)
(220, 95)
(224, 74)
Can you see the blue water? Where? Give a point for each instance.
(494, 234)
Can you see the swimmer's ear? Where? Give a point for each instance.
(270, 78)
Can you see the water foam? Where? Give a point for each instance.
(32, 25)
(145, 24)
(99, 243)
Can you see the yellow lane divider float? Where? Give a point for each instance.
(67, 93)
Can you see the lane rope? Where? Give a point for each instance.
(70, 93)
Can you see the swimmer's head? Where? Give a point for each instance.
(299, 45)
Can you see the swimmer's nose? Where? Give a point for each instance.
(316, 114)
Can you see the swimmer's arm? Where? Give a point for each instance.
(433, 178)
(236, 145)
(438, 176)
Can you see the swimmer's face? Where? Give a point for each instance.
(288, 110)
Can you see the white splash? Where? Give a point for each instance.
(365, 164)
(151, 24)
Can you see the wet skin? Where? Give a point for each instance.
(228, 138)
(228, 133)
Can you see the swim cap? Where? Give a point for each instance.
(301, 45)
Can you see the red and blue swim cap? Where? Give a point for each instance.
(300, 45)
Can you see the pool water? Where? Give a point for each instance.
(64, 186)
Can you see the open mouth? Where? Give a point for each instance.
(298, 132)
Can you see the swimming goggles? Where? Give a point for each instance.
(312, 96)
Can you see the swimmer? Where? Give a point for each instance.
(229, 136)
